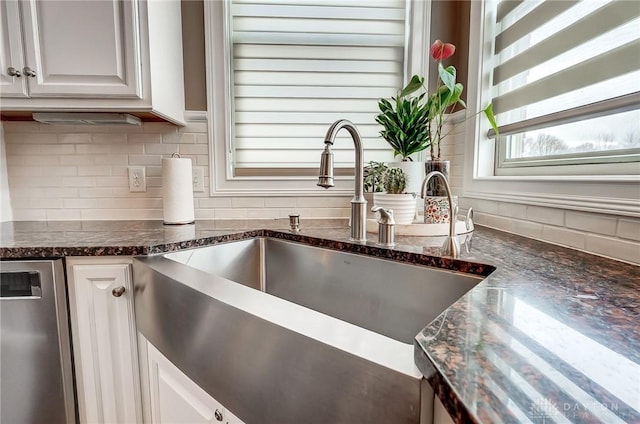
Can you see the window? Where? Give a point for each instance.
(566, 87)
(281, 72)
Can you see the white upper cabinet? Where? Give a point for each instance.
(11, 54)
(81, 49)
(100, 55)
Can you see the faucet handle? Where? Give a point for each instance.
(386, 226)
(385, 216)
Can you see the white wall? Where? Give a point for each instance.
(5, 198)
(80, 172)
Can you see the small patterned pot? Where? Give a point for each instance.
(436, 209)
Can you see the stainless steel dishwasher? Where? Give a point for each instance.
(35, 349)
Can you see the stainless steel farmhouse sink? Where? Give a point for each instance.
(282, 332)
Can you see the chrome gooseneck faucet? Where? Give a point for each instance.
(358, 203)
(451, 247)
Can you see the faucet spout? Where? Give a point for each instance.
(358, 203)
(451, 247)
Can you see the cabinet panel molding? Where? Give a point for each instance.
(104, 339)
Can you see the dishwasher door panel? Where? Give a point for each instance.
(35, 353)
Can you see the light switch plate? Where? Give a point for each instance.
(198, 179)
(137, 179)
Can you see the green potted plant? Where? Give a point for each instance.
(445, 98)
(396, 197)
(373, 175)
(405, 121)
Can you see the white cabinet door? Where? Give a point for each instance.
(82, 48)
(175, 398)
(104, 339)
(11, 53)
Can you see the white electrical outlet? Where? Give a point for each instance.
(198, 178)
(137, 180)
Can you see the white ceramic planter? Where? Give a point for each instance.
(402, 205)
(414, 172)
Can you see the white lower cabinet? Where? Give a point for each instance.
(172, 397)
(104, 340)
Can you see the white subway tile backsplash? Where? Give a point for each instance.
(247, 202)
(77, 160)
(103, 192)
(590, 222)
(516, 226)
(256, 213)
(92, 149)
(62, 192)
(144, 138)
(63, 214)
(126, 149)
(78, 182)
(23, 171)
(280, 202)
(94, 170)
(486, 206)
(39, 138)
(46, 203)
(629, 229)
(107, 139)
(545, 215)
(564, 236)
(114, 182)
(30, 214)
(34, 160)
(153, 171)
(79, 172)
(186, 138)
(614, 248)
(111, 159)
(80, 138)
(238, 213)
(145, 160)
(194, 149)
(28, 182)
(59, 171)
(512, 210)
(214, 202)
(80, 203)
(28, 192)
(39, 149)
(120, 214)
(324, 202)
(310, 213)
(130, 203)
(160, 149)
(204, 213)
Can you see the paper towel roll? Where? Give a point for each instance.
(177, 188)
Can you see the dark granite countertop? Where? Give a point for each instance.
(552, 335)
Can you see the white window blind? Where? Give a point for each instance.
(299, 65)
(566, 81)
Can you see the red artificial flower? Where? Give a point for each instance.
(441, 51)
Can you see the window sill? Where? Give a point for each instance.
(612, 195)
